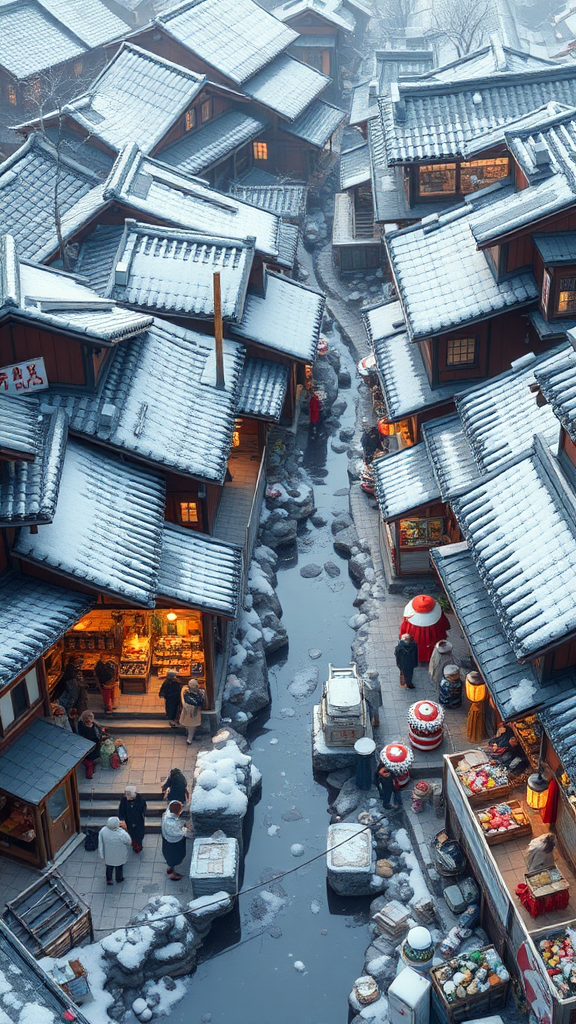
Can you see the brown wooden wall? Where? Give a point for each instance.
(501, 340)
(220, 104)
(63, 357)
(521, 249)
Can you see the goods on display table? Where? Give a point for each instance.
(529, 731)
(559, 956)
(182, 654)
(135, 663)
(469, 985)
(503, 822)
(543, 891)
(481, 778)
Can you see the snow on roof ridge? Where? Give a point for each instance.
(126, 162)
(9, 272)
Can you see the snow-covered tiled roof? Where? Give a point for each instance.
(20, 432)
(558, 385)
(33, 616)
(160, 402)
(97, 253)
(383, 320)
(288, 235)
(52, 299)
(493, 59)
(31, 41)
(332, 11)
(136, 98)
(364, 105)
(38, 993)
(172, 271)
(32, 766)
(388, 187)
(403, 481)
(107, 529)
(521, 209)
(286, 86)
(237, 37)
(29, 489)
(285, 200)
(317, 124)
(556, 247)
(355, 165)
(515, 688)
(437, 120)
(196, 151)
(27, 181)
(403, 377)
(200, 571)
(521, 529)
(450, 454)
(558, 720)
(263, 388)
(486, 140)
(444, 281)
(91, 20)
(287, 318)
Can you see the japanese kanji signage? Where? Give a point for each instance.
(21, 378)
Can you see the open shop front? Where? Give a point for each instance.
(526, 877)
(134, 649)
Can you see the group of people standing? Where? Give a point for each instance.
(127, 828)
(182, 708)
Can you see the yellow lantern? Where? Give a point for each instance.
(171, 616)
(537, 791)
(475, 687)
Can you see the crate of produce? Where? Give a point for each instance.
(504, 821)
(482, 779)
(473, 984)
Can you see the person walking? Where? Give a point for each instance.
(170, 692)
(173, 839)
(113, 843)
(131, 811)
(176, 787)
(105, 672)
(90, 730)
(193, 700)
(387, 788)
(406, 654)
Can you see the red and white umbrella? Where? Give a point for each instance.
(426, 622)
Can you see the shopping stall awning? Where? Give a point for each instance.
(404, 481)
(33, 616)
(200, 571)
(40, 760)
(514, 687)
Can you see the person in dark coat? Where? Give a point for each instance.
(90, 730)
(174, 836)
(176, 787)
(171, 691)
(74, 698)
(406, 654)
(105, 672)
(131, 811)
(371, 442)
(389, 793)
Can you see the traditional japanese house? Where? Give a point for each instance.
(243, 47)
(328, 33)
(48, 49)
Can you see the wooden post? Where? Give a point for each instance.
(218, 331)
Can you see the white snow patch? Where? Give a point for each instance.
(304, 682)
(273, 741)
(92, 958)
(417, 882)
(299, 966)
(273, 830)
(34, 1013)
(297, 850)
(167, 952)
(401, 837)
(168, 998)
(315, 906)
(521, 696)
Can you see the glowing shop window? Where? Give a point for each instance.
(188, 512)
(190, 120)
(567, 295)
(437, 179)
(260, 150)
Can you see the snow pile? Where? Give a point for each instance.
(304, 682)
(222, 787)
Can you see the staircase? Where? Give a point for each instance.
(97, 807)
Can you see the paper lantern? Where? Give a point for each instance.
(475, 687)
(385, 428)
(537, 791)
(171, 616)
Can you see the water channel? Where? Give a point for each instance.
(247, 973)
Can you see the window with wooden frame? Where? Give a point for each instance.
(188, 512)
(12, 97)
(190, 119)
(437, 179)
(475, 174)
(566, 293)
(206, 111)
(461, 352)
(260, 150)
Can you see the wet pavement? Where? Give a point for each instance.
(248, 973)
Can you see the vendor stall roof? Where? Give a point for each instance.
(263, 389)
(558, 719)
(404, 480)
(107, 529)
(515, 688)
(136, 98)
(39, 760)
(558, 385)
(172, 271)
(216, 139)
(200, 571)
(33, 616)
(160, 402)
(29, 491)
(287, 318)
(520, 524)
(237, 37)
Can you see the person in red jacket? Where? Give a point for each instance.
(314, 410)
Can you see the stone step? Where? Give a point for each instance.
(152, 827)
(106, 807)
(128, 725)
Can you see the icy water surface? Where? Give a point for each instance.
(251, 978)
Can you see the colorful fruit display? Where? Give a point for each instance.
(559, 956)
(471, 974)
(502, 818)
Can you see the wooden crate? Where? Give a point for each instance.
(481, 1005)
(548, 889)
(513, 833)
(49, 918)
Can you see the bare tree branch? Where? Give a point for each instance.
(466, 23)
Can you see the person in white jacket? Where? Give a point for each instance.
(113, 844)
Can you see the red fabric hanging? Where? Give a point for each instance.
(549, 812)
(426, 636)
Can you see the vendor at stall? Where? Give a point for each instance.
(505, 748)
